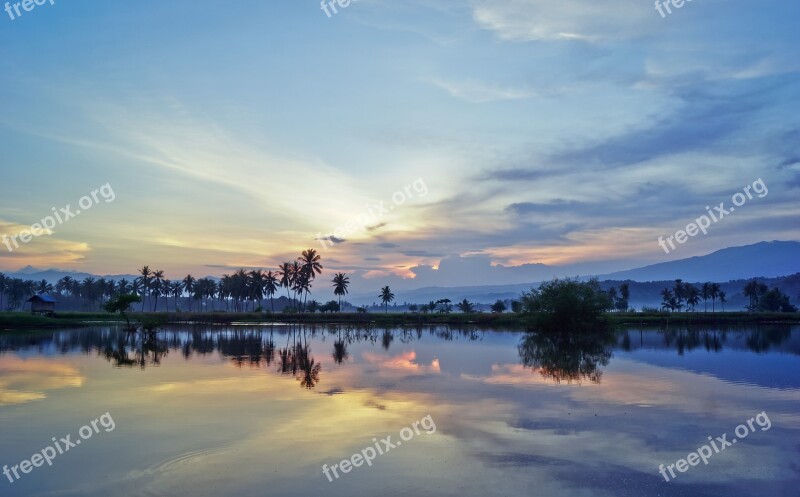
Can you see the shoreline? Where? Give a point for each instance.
(13, 321)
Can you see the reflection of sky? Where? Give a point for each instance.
(204, 426)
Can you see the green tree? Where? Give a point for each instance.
(121, 304)
(498, 307)
(567, 303)
(466, 306)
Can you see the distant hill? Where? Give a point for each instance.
(774, 263)
(765, 259)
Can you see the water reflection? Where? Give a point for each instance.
(567, 357)
(557, 356)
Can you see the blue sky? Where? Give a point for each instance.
(570, 133)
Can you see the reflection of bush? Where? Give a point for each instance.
(569, 357)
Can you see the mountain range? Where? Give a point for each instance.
(772, 262)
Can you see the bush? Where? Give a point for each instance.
(567, 304)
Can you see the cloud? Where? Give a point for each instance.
(478, 93)
(533, 20)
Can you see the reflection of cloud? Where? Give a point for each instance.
(404, 361)
(26, 380)
(652, 386)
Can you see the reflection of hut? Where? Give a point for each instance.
(43, 304)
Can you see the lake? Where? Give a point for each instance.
(431, 411)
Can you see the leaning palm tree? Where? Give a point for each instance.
(286, 276)
(310, 266)
(340, 284)
(386, 296)
(145, 272)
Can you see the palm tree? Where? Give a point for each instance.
(466, 306)
(386, 296)
(705, 292)
(43, 287)
(311, 267)
(692, 296)
(64, 285)
(270, 287)
(714, 295)
(340, 284)
(297, 273)
(256, 286)
(145, 272)
(176, 289)
(286, 277)
(188, 285)
(722, 299)
(157, 287)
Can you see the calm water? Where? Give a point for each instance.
(259, 410)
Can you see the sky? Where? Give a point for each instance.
(438, 142)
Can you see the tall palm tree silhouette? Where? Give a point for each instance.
(386, 296)
(188, 285)
(158, 286)
(340, 284)
(311, 267)
(145, 272)
(286, 277)
(270, 287)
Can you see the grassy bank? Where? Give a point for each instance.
(22, 320)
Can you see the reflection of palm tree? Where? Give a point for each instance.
(340, 353)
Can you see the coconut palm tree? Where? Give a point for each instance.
(466, 306)
(157, 287)
(270, 287)
(340, 284)
(386, 296)
(188, 285)
(64, 285)
(692, 296)
(145, 272)
(705, 292)
(286, 275)
(43, 287)
(714, 295)
(310, 266)
(176, 289)
(722, 299)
